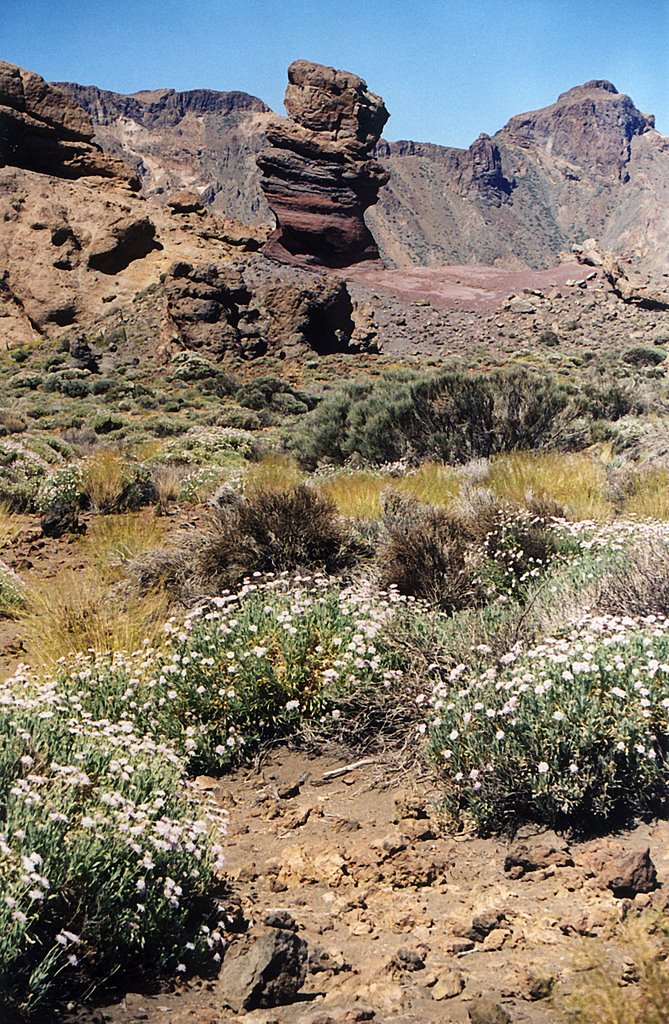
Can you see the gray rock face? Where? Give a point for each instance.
(267, 968)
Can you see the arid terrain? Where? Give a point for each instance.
(334, 618)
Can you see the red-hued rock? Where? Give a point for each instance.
(318, 174)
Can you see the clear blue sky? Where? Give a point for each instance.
(447, 69)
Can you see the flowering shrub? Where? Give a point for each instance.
(256, 665)
(519, 549)
(12, 596)
(571, 732)
(104, 864)
(207, 446)
(21, 472)
(63, 487)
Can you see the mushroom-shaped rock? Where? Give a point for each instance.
(318, 174)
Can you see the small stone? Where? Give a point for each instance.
(485, 1011)
(449, 984)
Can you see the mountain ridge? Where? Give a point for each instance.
(588, 165)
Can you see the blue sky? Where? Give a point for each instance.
(447, 69)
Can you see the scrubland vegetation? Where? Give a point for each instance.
(466, 567)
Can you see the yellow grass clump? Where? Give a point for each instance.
(600, 998)
(576, 481)
(104, 474)
(649, 494)
(433, 482)
(275, 472)
(76, 612)
(356, 495)
(112, 540)
(11, 525)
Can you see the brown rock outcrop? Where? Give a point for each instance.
(224, 311)
(318, 174)
(43, 129)
(633, 286)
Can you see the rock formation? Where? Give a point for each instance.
(223, 310)
(201, 140)
(43, 129)
(589, 164)
(76, 240)
(318, 174)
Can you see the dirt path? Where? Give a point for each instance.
(403, 922)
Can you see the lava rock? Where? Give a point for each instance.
(318, 175)
(266, 968)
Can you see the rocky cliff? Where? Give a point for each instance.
(80, 248)
(590, 164)
(317, 174)
(202, 140)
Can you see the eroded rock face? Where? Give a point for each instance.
(318, 174)
(43, 129)
(223, 311)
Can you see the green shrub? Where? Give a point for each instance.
(450, 416)
(12, 593)
(63, 488)
(571, 733)
(272, 393)
(641, 356)
(106, 868)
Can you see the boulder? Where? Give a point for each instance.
(318, 174)
(536, 853)
(625, 872)
(266, 968)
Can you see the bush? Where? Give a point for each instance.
(449, 416)
(90, 887)
(273, 531)
(572, 733)
(271, 393)
(62, 489)
(641, 356)
(426, 555)
(12, 593)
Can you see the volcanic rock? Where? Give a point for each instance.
(43, 129)
(266, 968)
(227, 311)
(318, 174)
(625, 872)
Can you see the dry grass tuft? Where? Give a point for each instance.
(111, 541)
(433, 482)
(643, 998)
(576, 482)
(648, 494)
(355, 495)
(10, 526)
(76, 612)
(275, 472)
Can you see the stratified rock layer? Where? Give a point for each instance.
(318, 175)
